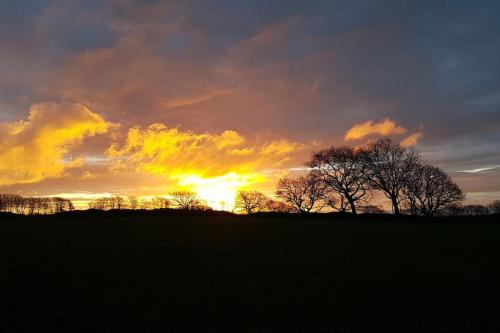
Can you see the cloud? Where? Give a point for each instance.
(34, 149)
(179, 155)
(385, 127)
(480, 169)
(411, 140)
(179, 102)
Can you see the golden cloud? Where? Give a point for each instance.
(385, 127)
(176, 154)
(32, 150)
(411, 140)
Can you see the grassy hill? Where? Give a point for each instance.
(219, 272)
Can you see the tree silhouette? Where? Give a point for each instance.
(388, 165)
(474, 210)
(186, 200)
(250, 201)
(302, 193)
(494, 207)
(133, 202)
(429, 190)
(336, 201)
(343, 171)
(278, 206)
(160, 203)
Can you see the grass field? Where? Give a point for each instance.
(234, 273)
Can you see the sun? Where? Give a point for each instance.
(219, 192)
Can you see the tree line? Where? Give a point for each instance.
(186, 200)
(349, 179)
(14, 203)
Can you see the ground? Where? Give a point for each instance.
(146, 273)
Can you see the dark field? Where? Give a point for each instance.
(229, 273)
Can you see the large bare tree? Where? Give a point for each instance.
(343, 171)
(388, 166)
(303, 193)
(429, 190)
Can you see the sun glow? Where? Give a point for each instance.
(219, 192)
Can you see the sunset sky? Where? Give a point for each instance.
(127, 97)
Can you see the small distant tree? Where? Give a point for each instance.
(61, 205)
(119, 202)
(145, 204)
(494, 207)
(336, 201)
(276, 206)
(202, 205)
(474, 210)
(132, 202)
(160, 203)
(372, 209)
(19, 203)
(453, 209)
(185, 200)
(99, 204)
(45, 204)
(33, 204)
(429, 190)
(250, 201)
(303, 193)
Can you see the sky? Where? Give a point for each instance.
(121, 97)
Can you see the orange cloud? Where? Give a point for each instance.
(385, 127)
(32, 150)
(175, 154)
(412, 140)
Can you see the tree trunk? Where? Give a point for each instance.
(353, 206)
(395, 205)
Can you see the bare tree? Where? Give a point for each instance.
(99, 203)
(336, 201)
(494, 207)
(372, 209)
(119, 202)
(388, 165)
(45, 205)
(185, 199)
(343, 171)
(160, 202)
(32, 204)
(429, 190)
(133, 202)
(250, 201)
(474, 210)
(303, 193)
(19, 203)
(145, 204)
(62, 205)
(276, 206)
